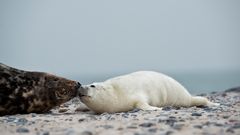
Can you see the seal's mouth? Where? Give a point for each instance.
(84, 98)
(82, 95)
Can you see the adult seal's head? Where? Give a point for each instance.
(27, 92)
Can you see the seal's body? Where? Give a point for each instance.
(27, 92)
(145, 90)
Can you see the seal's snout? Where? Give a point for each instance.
(78, 85)
(82, 91)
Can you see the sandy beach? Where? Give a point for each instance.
(73, 118)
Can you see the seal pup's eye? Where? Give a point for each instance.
(93, 86)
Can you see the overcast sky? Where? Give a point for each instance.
(97, 37)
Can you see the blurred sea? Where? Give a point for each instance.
(195, 83)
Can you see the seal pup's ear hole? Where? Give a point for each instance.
(93, 86)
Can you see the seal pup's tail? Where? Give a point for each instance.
(200, 101)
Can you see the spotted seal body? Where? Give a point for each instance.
(27, 92)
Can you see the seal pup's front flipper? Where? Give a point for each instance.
(145, 106)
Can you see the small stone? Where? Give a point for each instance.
(196, 114)
(206, 108)
(34, 114)
(236, 125)
(120, 128)
(167, 108)
(21, 121)
(177, 107)
(153, 130)
(218, 124)
(80, 109)
(230, 130)
(169, 133)
(139, 134)
(11, 119)
(112, 118)
(178, 126)
(172, 117)
(43, 133)
(70, 131)
(125, 115)
(86, 133)
(198, 126)
(107, 126)
(81, 120)
(224, 94)
(92, 117)
(134, 110)
(147, 124)
(171, 121)
(22, 130)
(133, 127)
(225, 116)
(62, 110)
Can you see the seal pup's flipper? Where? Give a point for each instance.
(145, 106)
(200, 101)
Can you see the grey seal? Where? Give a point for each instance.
(32, 92)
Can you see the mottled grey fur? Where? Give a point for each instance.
(27, 92)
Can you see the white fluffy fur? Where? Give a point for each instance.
(145, 90)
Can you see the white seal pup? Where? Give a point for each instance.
(146, 90)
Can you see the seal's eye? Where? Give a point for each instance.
(93, 86)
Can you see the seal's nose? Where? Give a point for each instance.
(78, 85)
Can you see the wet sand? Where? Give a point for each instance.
(72, 118)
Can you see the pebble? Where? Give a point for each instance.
(134, 110)
(178, 126)
(139, 134)
(196, 114)
(236, 125)
(218, 124)
(198, 126)
(153, 130)
(62, 110)
(43, 133)
(107, 126)
(125, 115)
(147, 124)
(167, 108)
(22, 130)
(81, 120)
(169, 133)
(21, 121)
(79, 109)
(33, 114)
(86, 133)
(230, 130)
(133, 127)
(11, 119)
(92, 117)
(70, 131)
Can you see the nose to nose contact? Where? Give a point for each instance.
(78, 85)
